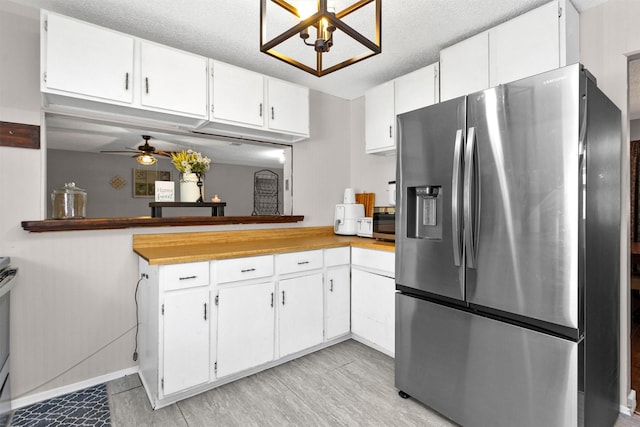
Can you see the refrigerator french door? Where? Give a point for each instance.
(508, 236)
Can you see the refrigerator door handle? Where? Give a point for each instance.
(468, 202)
(455, 200)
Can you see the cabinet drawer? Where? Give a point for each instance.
(236, 269)
(299, 261)
(337, 256)
(181, 276)
(382, 261)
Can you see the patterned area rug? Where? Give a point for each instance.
(88, 407)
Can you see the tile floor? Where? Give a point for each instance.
(348, 384)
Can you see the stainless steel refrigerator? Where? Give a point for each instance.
(507, 254)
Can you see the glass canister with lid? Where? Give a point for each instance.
(68, 202)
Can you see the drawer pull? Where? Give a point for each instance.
(330, 285)
(303, 262)
(187, 277)
(205, 311)
(282, 297)
(272, 299)
(247, 270)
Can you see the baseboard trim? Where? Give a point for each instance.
(372, 345)
(60, 391)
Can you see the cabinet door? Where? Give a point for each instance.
(237, 95)
(301, 320)
(88, 60)
(186, 339)
(418, 89)
(373, 308)
(245, 327)
(288, 107)
(173, 80)
(464, 67)
(524, 46)
(338, 292)
(380, 119)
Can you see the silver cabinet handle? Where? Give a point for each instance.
(303, 262)
(261, 109)
(455, 199)
(205, 311)
(390, 131)
(187, 277)
(282, 297)
(126, 81)
(273, 114)
(146, 84)
(470, 205)
(330, 285)
(271, 299)
(247, 270)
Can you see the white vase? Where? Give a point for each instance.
(189, 191)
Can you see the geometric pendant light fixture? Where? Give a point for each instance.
(316, 38)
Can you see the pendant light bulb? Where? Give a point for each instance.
(146, 159)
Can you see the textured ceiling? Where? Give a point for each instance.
(413, 32)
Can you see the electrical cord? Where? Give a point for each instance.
(135, 298)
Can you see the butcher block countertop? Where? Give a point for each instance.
(175, 248)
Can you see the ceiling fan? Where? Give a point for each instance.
(144, 153)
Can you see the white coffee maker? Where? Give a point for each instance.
(347, 214)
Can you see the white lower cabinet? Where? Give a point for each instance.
(174, 316)
(301, 317)
(204, 324)
(373, 290)
(246, 318)
(185, 316)
(337, 292)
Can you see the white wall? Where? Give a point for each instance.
(609, 33)
(369, 173)
(634, 130)
(73, 307)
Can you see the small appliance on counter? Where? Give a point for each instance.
(365, 226)
(347, 213)
(384, 223)
(392, 193)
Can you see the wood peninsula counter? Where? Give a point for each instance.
(174, 248)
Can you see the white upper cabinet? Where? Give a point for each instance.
(533, 43)
(237, 95)
(288, 107)
(97, 71)
(251, 104)
(87, 60)
(382, 103)
(540, 40)
(380, 119)
(464, 67)
(173, 80)
(418, 89)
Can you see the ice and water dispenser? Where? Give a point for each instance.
(424, 212)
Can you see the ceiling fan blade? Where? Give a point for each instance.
(119, 151)
(164, 153)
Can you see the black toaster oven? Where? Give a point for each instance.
(384, 223)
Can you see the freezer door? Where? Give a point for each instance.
(429, 251)
(522, 197)
(482, 372)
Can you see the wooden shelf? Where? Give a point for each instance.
(147, 221)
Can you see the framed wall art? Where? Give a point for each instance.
(144, 181)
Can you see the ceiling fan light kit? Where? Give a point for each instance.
(146, 159)
(326, 21)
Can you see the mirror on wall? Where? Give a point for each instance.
(118, 186)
